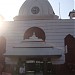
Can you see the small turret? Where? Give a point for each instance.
(72, 14)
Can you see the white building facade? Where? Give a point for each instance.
(37, 31)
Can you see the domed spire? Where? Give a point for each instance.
(41, 4)
(36, 9)
(72, 14)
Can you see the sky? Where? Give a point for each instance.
(10, 8)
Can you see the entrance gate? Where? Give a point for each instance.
(37, 66)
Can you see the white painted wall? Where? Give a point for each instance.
(55, 30)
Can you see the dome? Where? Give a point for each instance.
(36, 9)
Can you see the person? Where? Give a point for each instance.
(22, 70)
